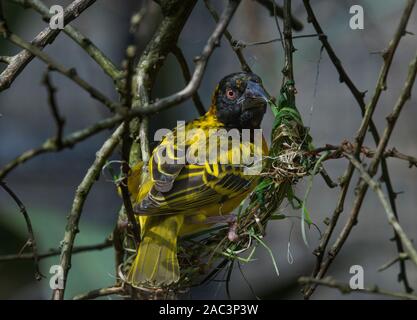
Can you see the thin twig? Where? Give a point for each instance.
(70, 73)
(242, 44)
(394, 153)
(177, 52)
(99, 293)
(31, 242)
(80, 196)
(275, 14)
(200, 66)
(412, 253)
(126, 144)
(59, 120)
(94, 52)
(244, 65)
(68, 142)
(55, 252)
(45, 37)
(327, 179)
(363, 186)
(366, 151)
(346, 289)
(190, 88)
(288, 70)
(403, 256)
(359, 97)
(322, 266)
(275, 9)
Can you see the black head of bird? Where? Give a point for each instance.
(240, 101)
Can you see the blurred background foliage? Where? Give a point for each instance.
(47, 184)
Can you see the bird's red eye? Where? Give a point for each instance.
(230, 94)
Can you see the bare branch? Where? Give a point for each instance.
(347, 146)
(45, 37)
(177, 52)
(143, 137)
(363, 186)
(394, 153)
(345, 288)
(55, 252)
(95, 53)
(393, 116)
(80, 196)
(126, 145)
(359, 97)
(288, 70)
(59, 120)
(99, 293)
(201, 63)
(412, 253)
(242, 44)
(69, 73)
(273, 9)
(321, 267)
(244, 65)
(137, 19)
(50, 145)
(31, 242)
(401, 256)
(6, 59)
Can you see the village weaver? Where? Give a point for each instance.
(173, 199)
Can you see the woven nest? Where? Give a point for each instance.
(203, 255)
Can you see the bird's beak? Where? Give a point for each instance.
(255, 97)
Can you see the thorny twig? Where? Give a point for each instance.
(369, 110)
(346, 146)
(402, 256)
(31, 242)
(412, 253)
(359, 97)
(345, 288)
(363, 186)
(241, 44)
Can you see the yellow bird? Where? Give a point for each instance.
(177, 197)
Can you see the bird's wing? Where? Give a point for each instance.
(186, 188)
(195, 188)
